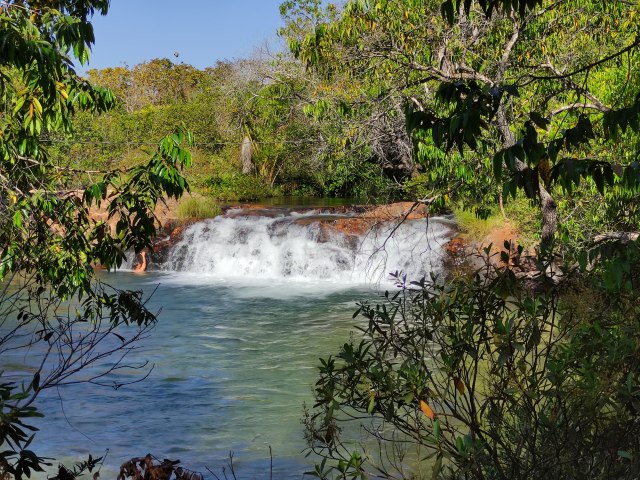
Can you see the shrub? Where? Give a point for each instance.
(237, 187)
(474, 227)
(491, 381)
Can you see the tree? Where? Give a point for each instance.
(52, 302)
(485, 376)
(520, 90)
(478, 378)
(156, 82)
(366, 141)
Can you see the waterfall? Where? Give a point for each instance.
(305, 247)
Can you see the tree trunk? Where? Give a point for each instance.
(246, 154)
(549, 218)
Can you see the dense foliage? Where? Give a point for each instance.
(53, 306)
(539, 101)
(256, 104)
(270, 104)
(481, 379)
(471, 103)
(499, 375)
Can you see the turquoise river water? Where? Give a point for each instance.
(248, 307)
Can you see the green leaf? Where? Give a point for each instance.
(19, 105)
(437, 467)
(539, 120)
(599, 180)
(17, 218)
(497, 165)
(625, 454)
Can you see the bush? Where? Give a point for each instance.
(491, 381)
(474, 227)
(237, 187)
(352, 178)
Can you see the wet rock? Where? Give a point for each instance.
(455, 248)
(173, 231)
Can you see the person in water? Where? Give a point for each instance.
(141, 262)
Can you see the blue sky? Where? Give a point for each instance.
(202, 31)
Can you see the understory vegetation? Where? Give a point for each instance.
(524, 110)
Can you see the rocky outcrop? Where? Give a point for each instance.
(169, 228)
(165, 213)
(170, 234)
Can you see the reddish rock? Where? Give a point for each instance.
(357, 226)
(456, 247)
(400, 210)
(173, 231)
(496, 241)
(331, 221)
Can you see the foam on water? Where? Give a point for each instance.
(298, 249)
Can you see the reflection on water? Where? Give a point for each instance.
(232, 369)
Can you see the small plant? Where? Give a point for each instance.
(198, 207)
(150, 468)
(79, 469)
(474, 227)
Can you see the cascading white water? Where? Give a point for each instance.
(299, 247)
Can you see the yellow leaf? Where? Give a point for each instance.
(37, 106)
(426, 409)
(62, 88)
(459, 385)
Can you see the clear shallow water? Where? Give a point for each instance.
(232, 368)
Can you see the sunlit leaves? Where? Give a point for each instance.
(47, 233)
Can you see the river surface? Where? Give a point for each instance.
(248, 307)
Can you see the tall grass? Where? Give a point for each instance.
(475, 228)
(198, 207)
